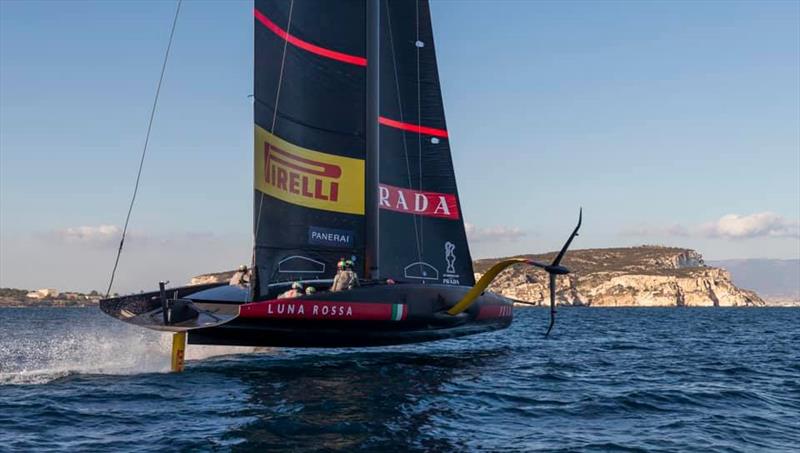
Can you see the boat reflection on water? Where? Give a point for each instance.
(375, 401)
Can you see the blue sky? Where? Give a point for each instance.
(672, 123)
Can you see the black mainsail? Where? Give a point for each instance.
(309, 137)
(311, 118)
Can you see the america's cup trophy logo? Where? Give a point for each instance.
(450, 257)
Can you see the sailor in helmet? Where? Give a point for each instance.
(346, 278)
(349, 267)
(296, 291)
(241, 277)
(339, 270)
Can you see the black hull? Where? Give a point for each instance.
(330, 336)
(372, 315)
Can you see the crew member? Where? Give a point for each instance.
(345, 279)
(348, 268)
(241, 277)
(339, 270)
(310, 290)
(296, 291)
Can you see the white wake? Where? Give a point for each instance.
(98, 349)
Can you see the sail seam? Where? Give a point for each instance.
(296, 120)
(381, 120)
(419, 121)
(307, 46)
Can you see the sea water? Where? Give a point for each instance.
(671, 380)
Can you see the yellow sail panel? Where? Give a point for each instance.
(308, 178)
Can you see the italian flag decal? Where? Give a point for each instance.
(399, 312)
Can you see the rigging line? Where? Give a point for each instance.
(144, 148)
(419, 123)
(400, 105)
(274, 119)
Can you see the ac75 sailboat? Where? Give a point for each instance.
(352, 159)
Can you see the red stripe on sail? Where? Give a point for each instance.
(412, 127)
(305, 45)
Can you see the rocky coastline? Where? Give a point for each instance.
(645, 276)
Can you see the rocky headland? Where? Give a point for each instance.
(645, 276)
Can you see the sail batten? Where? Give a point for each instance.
(269, 110)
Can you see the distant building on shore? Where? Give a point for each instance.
(44, 293)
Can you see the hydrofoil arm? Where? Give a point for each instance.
(553, 269)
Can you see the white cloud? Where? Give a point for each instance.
(100, 235)
(108, 236)
(762, 224)
(731, 226)
(493, 234)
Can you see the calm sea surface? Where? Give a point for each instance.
(608, 380)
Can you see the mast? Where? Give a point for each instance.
(373, 138)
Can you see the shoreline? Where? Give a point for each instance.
(516, 305)
(54, 304)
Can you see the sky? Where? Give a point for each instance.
(673, 123)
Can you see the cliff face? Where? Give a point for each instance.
(776, 281)
(639, 276)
